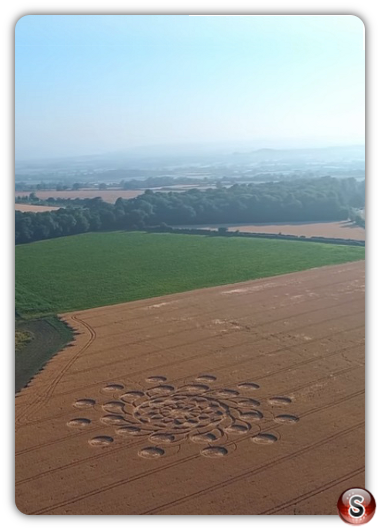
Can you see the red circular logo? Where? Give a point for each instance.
(356, 506)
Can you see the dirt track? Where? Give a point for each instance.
(241, 399)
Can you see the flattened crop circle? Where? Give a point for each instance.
(79, 422)
(264, 438)
(151, 452)
(214, 452)
(100, 441)
(180, 411)
(84, 403)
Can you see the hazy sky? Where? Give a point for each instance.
(90, 84)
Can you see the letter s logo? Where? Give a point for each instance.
(356, 508)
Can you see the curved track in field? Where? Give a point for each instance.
(40, 398)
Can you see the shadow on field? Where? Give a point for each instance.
(49, 336)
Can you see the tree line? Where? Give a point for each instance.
(323, 199)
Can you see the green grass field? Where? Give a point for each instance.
(97, 269)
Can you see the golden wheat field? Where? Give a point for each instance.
(240, 399)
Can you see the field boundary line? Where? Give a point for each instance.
(105, 308)
(348, 266)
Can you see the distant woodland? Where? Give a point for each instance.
(303, 200)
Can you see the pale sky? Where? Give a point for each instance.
(88, 84)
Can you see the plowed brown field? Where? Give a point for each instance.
(344, 230)
(34, 208)
(241, 399)
(107, 195)
(338, 229)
